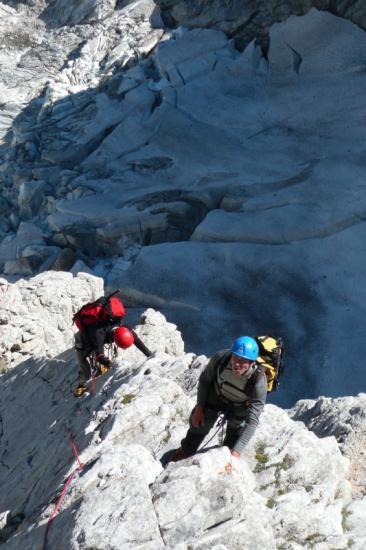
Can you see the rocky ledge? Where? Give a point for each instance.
(294, 487)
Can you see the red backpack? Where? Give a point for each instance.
(104, 309)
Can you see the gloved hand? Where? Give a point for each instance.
(198, 417)
(103, 360)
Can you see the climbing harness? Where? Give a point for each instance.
(111, 352)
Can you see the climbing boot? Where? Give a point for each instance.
(102, 369)
(80, 390)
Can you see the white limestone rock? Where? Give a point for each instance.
(354, 518)
(130, 134)
(276, 155)
(132, 417)
(159, 334)
(153, 412)
(335, 46)
(240, 533)
(343, 418)
(36, 315)
(12, 246)
(243, 21)
(188, 378)
(114, 485)
(117, 496)
(284, 218)
(131, 228)
(75, 12)
(293, 467)
(189, 54)
(177, 369)
(191, 44)
(295, 470)
(193, 496)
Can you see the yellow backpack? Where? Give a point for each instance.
(271, 358)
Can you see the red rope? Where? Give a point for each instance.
(64, 490)
(75, 450)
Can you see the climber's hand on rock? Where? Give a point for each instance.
(198, 417)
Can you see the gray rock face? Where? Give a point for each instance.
(174, 164)
(36, 315)
(248, 20)
(103, 451)
(186, 507)
(36, 318)
(342, 418)
(226, 188)
(60, 13)
(30, 198)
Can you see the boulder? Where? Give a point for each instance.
(189, 54)
(336, 45)
(343, 418)
(200, 493)
(31, 194)
(80, 266)
(61, 13)
(158, 335)
(23, 266)
(30, 233)
(65, 260)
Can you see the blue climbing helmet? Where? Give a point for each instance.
(245, 347)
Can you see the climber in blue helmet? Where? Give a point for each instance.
(232, 383)
(243, 352)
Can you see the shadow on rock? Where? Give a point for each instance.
(40, 423)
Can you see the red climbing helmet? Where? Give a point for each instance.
(123, 337)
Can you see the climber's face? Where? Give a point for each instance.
(240, 365)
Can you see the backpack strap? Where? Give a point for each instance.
(223, 362)
(260, 371)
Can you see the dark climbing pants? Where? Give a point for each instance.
(235, 425)
(82, 353)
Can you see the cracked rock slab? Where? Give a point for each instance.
(194, 495)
